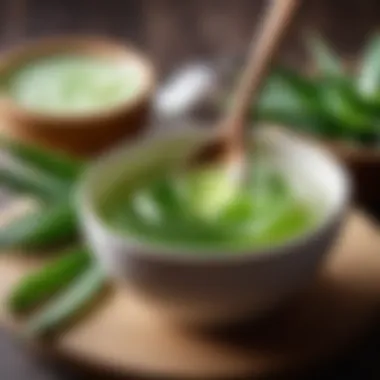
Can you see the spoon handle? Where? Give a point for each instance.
(261, 55)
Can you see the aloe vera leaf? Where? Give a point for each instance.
(37, 287)
(55, 164)
(69, 304)
(291, 99)
(24, 179)
(345, 107)
(327, 61)
(41, 228)
(369, 73)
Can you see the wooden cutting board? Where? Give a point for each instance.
(123, 334)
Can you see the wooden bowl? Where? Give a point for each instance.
(84, 134)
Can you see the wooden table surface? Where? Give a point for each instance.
(173, 32)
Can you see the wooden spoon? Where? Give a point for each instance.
(231, 141)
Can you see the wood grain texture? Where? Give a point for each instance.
(174, 31)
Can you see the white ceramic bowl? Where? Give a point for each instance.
(196, 288)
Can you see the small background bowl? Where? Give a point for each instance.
(215, 287)
(88, 133)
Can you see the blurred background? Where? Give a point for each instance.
(174, 32)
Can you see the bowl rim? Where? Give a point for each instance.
(352, 154)
(88, 214)
(85, 44)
